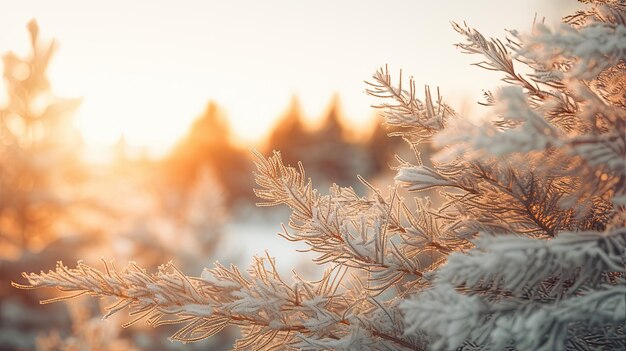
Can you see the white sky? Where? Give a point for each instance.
(148, 68)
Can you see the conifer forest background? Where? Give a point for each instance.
(423, 226)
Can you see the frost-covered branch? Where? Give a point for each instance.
(590, 49)
(540, 189)
(344, 228)
(151, 296)
(519, 264)
(497, 57)
(406, 110)
(271, 313)
(455, 319)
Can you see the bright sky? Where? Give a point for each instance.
(147, 68)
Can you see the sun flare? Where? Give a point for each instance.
(149, 82)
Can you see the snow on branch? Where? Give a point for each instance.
(590, 49)
(154, 297)
(520, 130)
(606, 11)
(455, 319)
(519, 264)
(365, 234)
(421, 178)
(271, 313)
(497, 57)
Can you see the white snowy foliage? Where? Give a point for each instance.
(444, 313)
(602, 151)
(454, 319)
(590, 49)
(519, 264)
(563, 138)
(421, 178)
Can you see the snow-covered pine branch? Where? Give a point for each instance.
(271, 313)
(405, 109)
(589, 50)
(365, 234)
(593, 321)
(550, 171)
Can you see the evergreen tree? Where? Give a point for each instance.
(209, 145)
(290, 134)
(332, 157)
(528, 252)
(40, 172)
(38, 158)
(327, 151)
(381, 148)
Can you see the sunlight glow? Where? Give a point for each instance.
(146, 69)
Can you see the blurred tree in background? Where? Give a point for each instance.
(40, 168)
(209, 145)
(332, 157)
(38, 151)
(53, 207)
(290, 134)
(329, 152)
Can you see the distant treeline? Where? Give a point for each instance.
(328, 152)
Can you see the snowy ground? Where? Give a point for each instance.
(255, 233)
